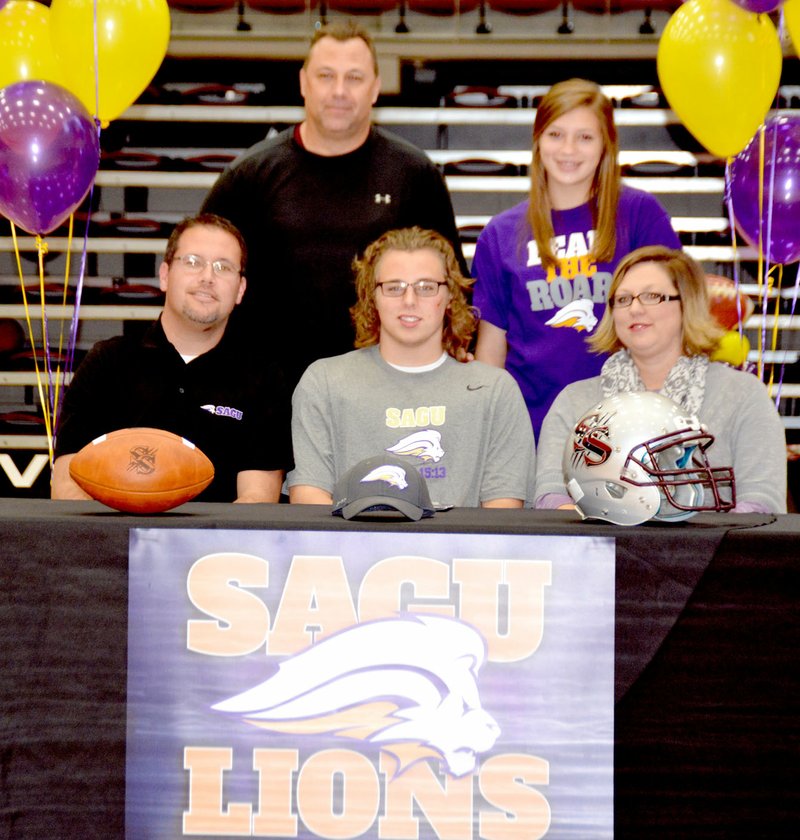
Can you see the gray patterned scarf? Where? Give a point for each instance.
(685, 384)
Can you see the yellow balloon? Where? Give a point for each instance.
(132, 40)
(719, 67)
(732, 348)
(25, 50)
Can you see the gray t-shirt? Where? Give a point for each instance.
(464, 426)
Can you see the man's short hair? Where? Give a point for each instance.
(205, 220)
(460, 320)
(344, 31)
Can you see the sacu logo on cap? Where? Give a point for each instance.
(382, 487)
(390, 473)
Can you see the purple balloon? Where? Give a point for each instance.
(780, 215)
(49, 154)
(759, 7)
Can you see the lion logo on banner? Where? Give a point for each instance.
(407, 684)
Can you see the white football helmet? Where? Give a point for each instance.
(640, 456)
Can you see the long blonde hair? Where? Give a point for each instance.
(460, 320)
(604, 198)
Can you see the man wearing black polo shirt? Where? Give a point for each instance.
(186, 376)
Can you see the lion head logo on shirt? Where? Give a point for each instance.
(578, 314)
(425, 445)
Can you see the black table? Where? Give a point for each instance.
(707, 675)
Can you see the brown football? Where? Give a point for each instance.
(141, 470)
(722, 295)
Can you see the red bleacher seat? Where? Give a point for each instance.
(442, 8)
(523, 7)
(648, 7)
(599, 7)
(362, 7)
(614, 7)
(201, 6)
(527, 8)
(282, 7)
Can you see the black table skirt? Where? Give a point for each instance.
(707, 674)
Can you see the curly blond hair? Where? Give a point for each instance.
(460, 320)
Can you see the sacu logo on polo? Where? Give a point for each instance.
(223, 411)
(425, 445)
(390, 473)
(407, 684)
(579, 314)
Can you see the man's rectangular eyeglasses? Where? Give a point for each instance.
(645, 298)
(195, 264)
(422, 288)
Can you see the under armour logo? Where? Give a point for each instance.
(383, 199)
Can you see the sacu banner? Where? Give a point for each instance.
(366, 684)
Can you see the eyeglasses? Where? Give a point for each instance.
(645, 298)
(194, 264)
(422, 288)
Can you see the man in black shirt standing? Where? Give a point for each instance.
(187, 376)
(309, 200)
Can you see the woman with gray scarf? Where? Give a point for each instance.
(660, 334)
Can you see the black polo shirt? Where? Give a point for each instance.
(238, 413)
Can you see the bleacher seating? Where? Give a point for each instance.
(430, 18)
(282, 7)
(359, 7)
(202, 6)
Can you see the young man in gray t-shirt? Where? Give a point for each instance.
(463, 425)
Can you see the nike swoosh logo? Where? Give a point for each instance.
(475, 387)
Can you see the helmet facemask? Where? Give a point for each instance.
(677, 464)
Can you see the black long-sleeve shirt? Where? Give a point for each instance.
(305, 217)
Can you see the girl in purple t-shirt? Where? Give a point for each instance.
(543, 267)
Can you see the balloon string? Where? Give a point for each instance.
(42, 250)
(769, 273)
(762, 287)
(71, 341)
(96, 62)
(788, 326)
(69, 361)
(43, 401)
(774, 341)
(728, 198)
(79, 288)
